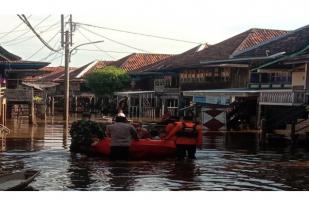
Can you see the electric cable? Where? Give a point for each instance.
(117, 42)
(95, 45)
(26, 32)
(136, 33)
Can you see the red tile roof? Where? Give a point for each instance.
(50, 74)
(136, 61)
(79, 73)
(257, 36)
(219, 51)
(85, 70)
(290, 42)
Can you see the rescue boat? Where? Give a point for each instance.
(141, 149)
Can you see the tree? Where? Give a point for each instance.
(106, 81)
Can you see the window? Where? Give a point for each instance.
(254, 77)
(225, 75)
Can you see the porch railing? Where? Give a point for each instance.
(146, 112)
(269, 85)
(283, 97)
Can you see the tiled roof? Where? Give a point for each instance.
(88, 68)
(289, 43)
(137, 61)
(51, 74)
(175, 60)
(257, 36)
(219, 51)
(79, 73)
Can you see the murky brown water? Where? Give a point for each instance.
(224, 163)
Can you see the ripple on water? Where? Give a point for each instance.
(219, 166)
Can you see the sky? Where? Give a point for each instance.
(191, 20)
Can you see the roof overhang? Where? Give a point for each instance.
(222, 92)
(127, 93)
(23, 65)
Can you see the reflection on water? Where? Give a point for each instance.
(225, 163)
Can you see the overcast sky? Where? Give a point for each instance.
(191, 20)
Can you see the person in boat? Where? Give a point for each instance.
(187, 135)
(121, 134)
(142, 133)
(122, 106)
(166, 116)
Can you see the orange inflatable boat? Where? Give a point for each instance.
(141, 149)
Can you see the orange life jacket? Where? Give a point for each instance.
(186, 133)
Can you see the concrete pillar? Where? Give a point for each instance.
(293, 135)
(163, 106)
(259, 113)
(129, 106)
(31, 111)
(263, 131)
(140, 105)
(306, 86)
(75, 106)
(53, 106)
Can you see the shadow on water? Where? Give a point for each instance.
(186, 174)
(79, 172)
(227, 162)
(121, 176)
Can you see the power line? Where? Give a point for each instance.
(26, 31)
(24, 19)
(112, 51)
(56, 57)
(12, 30)
(117, 42)
(61, 60)
(43, 46)
(19, 30)
(31, 37)
(22, 40)
(51, 53)
(136, 33)
(57, 43)
(95, 44)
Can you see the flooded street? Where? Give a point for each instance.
(224, 163)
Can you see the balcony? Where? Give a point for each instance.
(19, 95)
(270, 86)
(282, 97)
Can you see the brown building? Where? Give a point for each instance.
(200, 68)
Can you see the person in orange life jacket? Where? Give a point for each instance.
(187, 136)
(121, 134)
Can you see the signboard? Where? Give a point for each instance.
(18, 95)
(160, 84)
(220, 100)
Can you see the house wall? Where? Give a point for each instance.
(214, 78)
(298, 79)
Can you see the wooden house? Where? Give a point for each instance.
(282, 78)
(201, 68)
(12, 71)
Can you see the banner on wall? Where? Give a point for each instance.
(219, 100)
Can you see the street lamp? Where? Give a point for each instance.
(68, 53)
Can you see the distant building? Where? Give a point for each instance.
(12, 70)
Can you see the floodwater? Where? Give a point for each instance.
(235, 162)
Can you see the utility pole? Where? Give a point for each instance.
(67, 80)
(67, 43)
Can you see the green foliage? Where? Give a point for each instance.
(106, 81)
(37, 99)
(82, 132)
